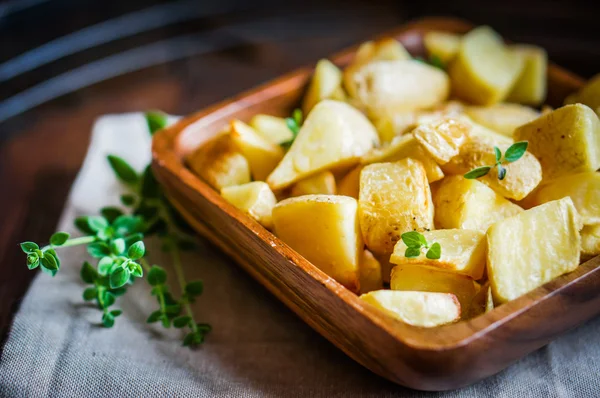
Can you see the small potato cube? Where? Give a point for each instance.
(403, 147)
(385, 87)
(590, 241)
(484, 134)
(334, 135)
(530, 87)
(324, 229)
(394, 198)
(426, 279)
(416, 308)
(588, 95)
(502, 118)
(325, 83)
(321, 183)
(565, 141)
(484, 71)
(350, 183)
(442, 138)
(582, 188)
(369, 273)
(262, 155)
(469, 204)
(521, 178)
(442, 45)
(255, 198)
(273, 129)
(220, 163)
(382, 50)
(532, 248)
(463, 251)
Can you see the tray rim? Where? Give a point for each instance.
(443, 338)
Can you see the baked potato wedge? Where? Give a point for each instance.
(334, 135)
(407, 277)
(442, 45)
(324, 230)
(582, 188)
(254, 198)
(442, 138)
(416, 308)
(484, 70)
(325, 83)
(530, 88)
(394, 198)
(320, 183)
(523, 255)
(220, 163)
(565, 141)
(261, 154)
(502, 118)
(469, 204)
(483, 301)
(522, 176)
(271, 128)
(369, 273)
(463, 251)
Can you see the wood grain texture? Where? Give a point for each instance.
(441, 358)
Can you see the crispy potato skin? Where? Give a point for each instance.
(394, 198)
(565, 141)
(532, 248)
(422, 309)
(324, 230)
(254, 198)
(521, 178)
(219, 163)
(469, 204)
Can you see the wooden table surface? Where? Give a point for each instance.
(64, 63)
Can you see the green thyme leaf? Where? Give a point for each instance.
(515, 151)
(412, 252)
(104, 265)
(127, 199)
(98, 249)
(136, 251)
(204, 327)
(108, 320)
(33, 260)
(434, 252)
(150, 187)
(122, 169)
(49, 262)
(59, 238)
(154, 317)
(82, 224)
(119, 277)
(108, 298)
(413, 239)
(157, 276)
(116, 313)
(96, 223)
(29, 247)
(136, 270)
(478, 172)
(498, 154)
(194, 288)
(111, 213)
(501, 172)
(90, 293)
(117, 246)
(436, 61)
(181, 321)
(297, 116)
(88, 273)
(156, 121)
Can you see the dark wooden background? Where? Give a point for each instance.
(65, 62)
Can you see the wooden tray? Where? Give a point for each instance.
(441, 358)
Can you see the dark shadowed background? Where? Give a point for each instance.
(65, 62)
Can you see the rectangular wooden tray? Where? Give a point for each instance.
(441, 358)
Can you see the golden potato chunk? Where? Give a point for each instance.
(442, 138)
(483, 301)
(565, 141)
(394, 198)
(262, 155)
(484, 70)
(463, 251)
(469, 204)
(273, 129)
(324, 230)
(385, 87)
(416, 308)
(403, 147)
(369, 272)
(530, 87)
(254, 198)
(484, 134)
(582, 188)
(502, 118)
(588, 95)
(321, 183)
(442, 45)
(220, 163)
(590, 241)
(325, 83)
(350, 183)
(532, 248)
(426, 279)
(522, 176)
(334, 135)
(382, 50)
